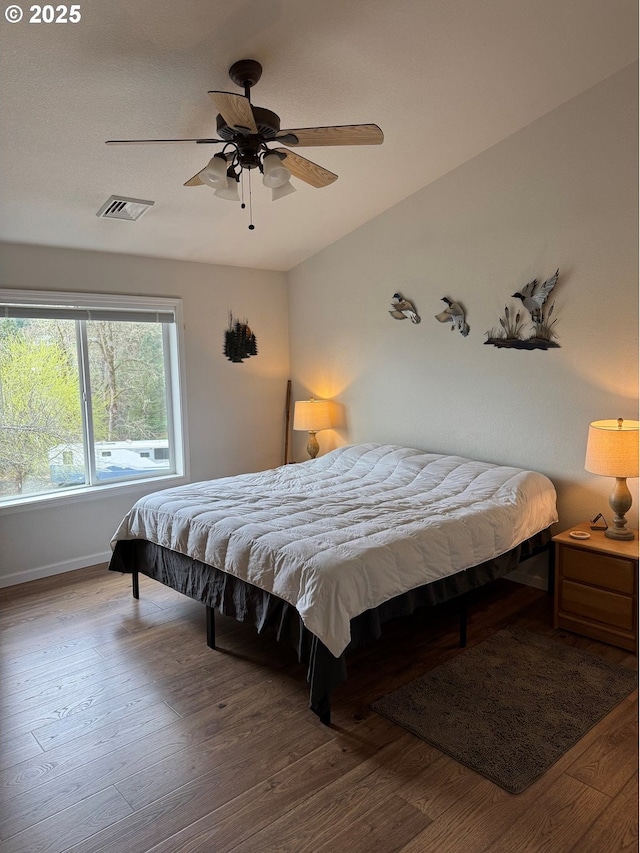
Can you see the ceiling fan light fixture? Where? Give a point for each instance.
(214, 173)
(246, 131)
(274, 173)
(282, 191)
(230, 192)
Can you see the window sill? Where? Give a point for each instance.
(82, 494)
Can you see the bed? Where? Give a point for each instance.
(330, 549)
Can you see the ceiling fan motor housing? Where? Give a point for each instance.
(267, 122)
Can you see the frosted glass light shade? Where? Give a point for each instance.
(281, 192)
(612, 448)
(214, 173)
(230, 192)
(312, 415)
(274, 173)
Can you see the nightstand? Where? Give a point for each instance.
(596, 587)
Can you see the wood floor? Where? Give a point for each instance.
(123, 732)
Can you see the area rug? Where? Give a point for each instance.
(511, 706)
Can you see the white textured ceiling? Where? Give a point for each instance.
(444, 79)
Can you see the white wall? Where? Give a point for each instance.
(560, 193)
(235, 413)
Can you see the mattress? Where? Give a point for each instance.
(341, 534)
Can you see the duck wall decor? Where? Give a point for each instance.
(515, 332)
(403, 309)
(454, 314)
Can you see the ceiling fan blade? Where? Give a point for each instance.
(194, 181)
(346, 134)
(304, 169)
(146, 141)
(235, 110)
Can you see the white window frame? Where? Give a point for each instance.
(173, 349)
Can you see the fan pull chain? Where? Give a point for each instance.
(251, 225)
(242, 202)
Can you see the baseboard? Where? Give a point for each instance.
(532, 572)
(54, 569)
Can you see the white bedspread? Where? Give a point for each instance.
(342, 533)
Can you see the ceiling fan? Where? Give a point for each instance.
(246, 131)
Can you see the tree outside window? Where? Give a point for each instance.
(83, 401)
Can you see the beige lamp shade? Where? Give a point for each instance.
(312, 415)
(612, 448)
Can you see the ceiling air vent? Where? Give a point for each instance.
(119, 207)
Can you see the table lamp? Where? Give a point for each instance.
(612, 450)
(312, 416)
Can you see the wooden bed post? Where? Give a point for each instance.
(134, 584)
(287, 415)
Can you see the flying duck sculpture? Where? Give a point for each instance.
(533, 296)
(453, 314)
(402, 309)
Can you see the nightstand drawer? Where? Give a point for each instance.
(613, 573)
(597, 604)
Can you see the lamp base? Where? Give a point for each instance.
(312, 445)
(619, 533)
(620, 503)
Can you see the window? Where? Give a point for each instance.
(89, 392)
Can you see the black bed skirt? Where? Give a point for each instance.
(234, 597)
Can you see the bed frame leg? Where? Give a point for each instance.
(322, 707)
(211, 627)
(463, 621)
(134, 584)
